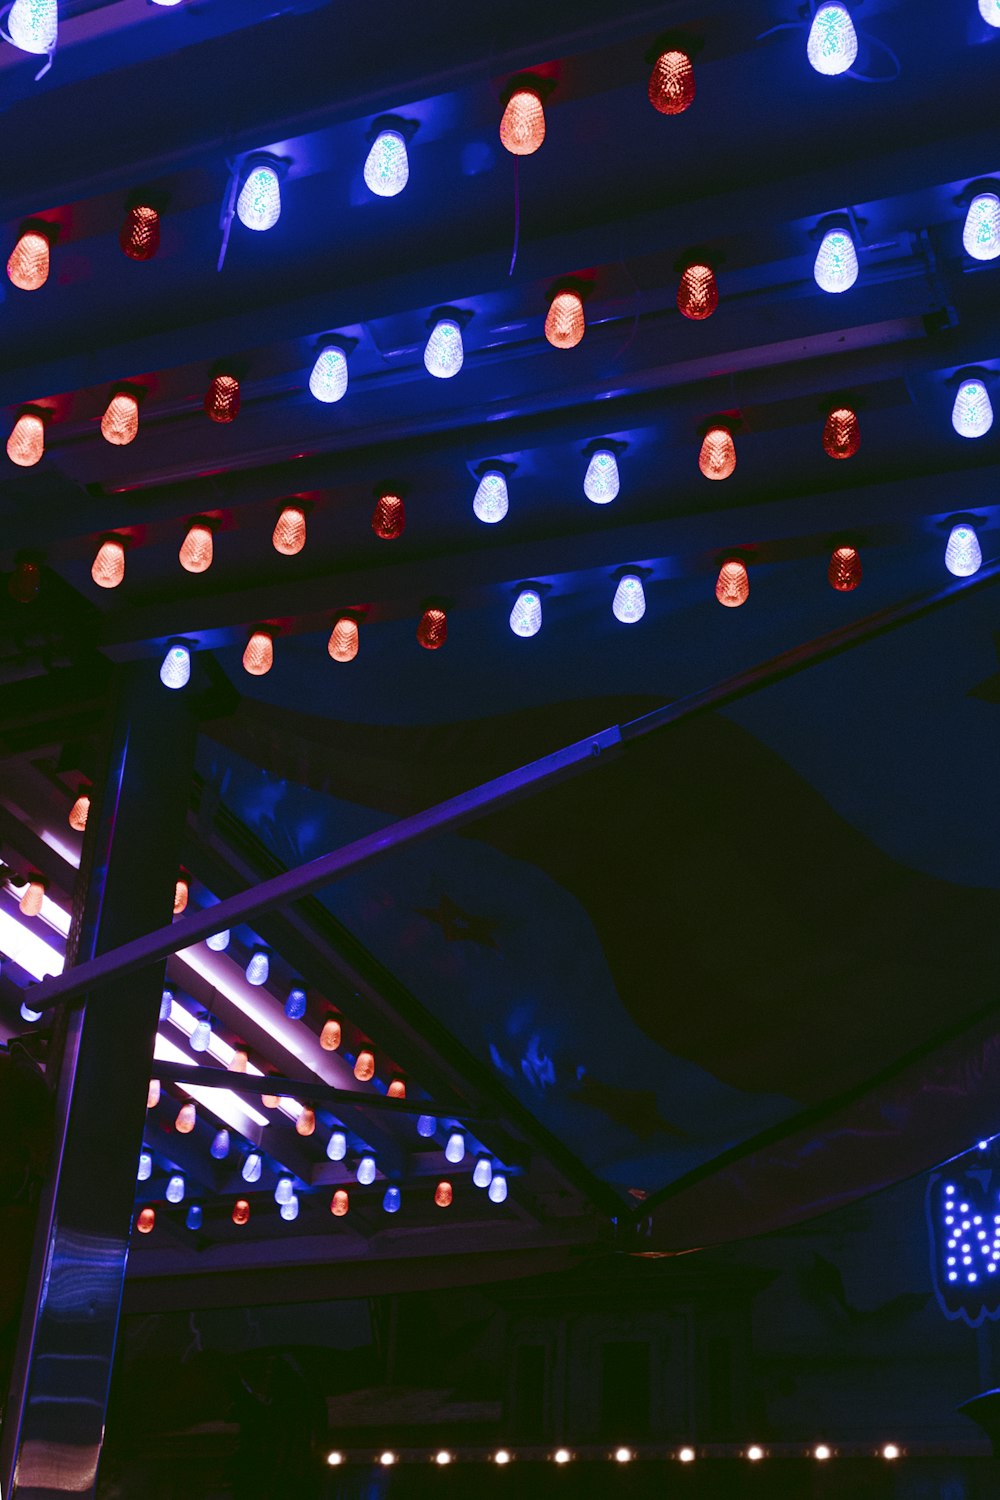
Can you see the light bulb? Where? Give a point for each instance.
(454, 1150)
(251, 1168)
(444, 353)
(259, 203)
(717, 459)
(194, 1216)
(963, 555)
(671, 83)
(153, 1093)
(220, 1145)
(841, 433)
(328, 376)
(501, 1456)
(258, 967)
(238, 1061)
(389, 518)
(289, 535)
(201, 1036)
(821, 1451)
(166, 1005)
(526, 616)
(175, 1189)
(387, 167)
(443, 1195)
(295, 1005)
(629, 603)
(258, 654)
(241, 1211)
(522, 126)
(387, 1459)
(833, 43)
(340, 1203)
(491, 499)
(290, 1210)
(687, 1455)
(197, 549)
(329, 1037)
(972, 414)
(181, 892)
(187, 1119)
(366, 1171)
(990, 11)
(562, 1455)
(565, 323)
(26, 443)
(283, 1190)
(145, 1171)
(146, 1218)
(482, 1172)
(30, 903)
(336, 1146)
(222, 399)
(755, 1454)
(836, 268)
(601, 482)
(305, 1125)
(426, 1126)
(432, 631)
(981, 235)
(33, 25)
(175, 671)
(698, 293)
(120, 422)
(108, 567)
(343, 642)
(844, 572)
(140, 233)
(733, 586)
(443, 1457)
(623, 1455)
(498, 1188)
(890, 1451)
(392, 1200)
(28, 266)
(80, 812)
(364, 1067)
(396, 1089)
(29, 1015)
(219, 941)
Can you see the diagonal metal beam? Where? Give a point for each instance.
(526, 781)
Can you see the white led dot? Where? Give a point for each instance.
(821, 1452)
(755, 1454)
(334, 1459)
(387, 1459)
(444, 1457)
(501, 1456)
(686, 1455)
(561, 1456)
(890, 1451)
(623, 1455)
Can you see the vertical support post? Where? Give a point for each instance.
(54, 1416)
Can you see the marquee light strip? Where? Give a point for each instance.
(818, 1452)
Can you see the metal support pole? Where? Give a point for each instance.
(54, 1415)
(524, 782)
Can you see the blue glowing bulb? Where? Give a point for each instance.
(981, 235)
(219, 941)
(426, 1126)
(145, 1171)
(990, 11)
(601, 483)
(176, 669)
(295, 1005)
(498, 1188)
(455, 1149)
(194, 1217)
(629, 604)
(526, 616)
(963, 555)
(251, 1167)
(836, 268)
(220, 1146)
(392, 1200)
(284, 1190)
(259, 203)
(258, 967)
(444, 354)
(29, 1015)
(482, 1172)
(491, 500)
(175, 1189)
(290, 1210)
(366, 1171)
(387, 168)
(328, 377)
(33, 25)
(201, 1036)
(166, 1005)
(336, 1146)
(833, 43)
(972, 414)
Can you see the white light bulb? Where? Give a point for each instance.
(290, 1210)
(455, 1149)
(328, 378)
(284, 1190)
(963, 555)
(629, 603)
(201, 1036)
(251, 1167)
(387, 167)
(686, 1455)
(821, 1452)
(561, 1456)
(482, 1173)
(890, 1451)
(176, 669)
(498, 1189)
(392, 1200)
(29, 1015)
(623, 1455)
(755, 1454)
(259, 204)
(990, 11)
(219, 941)
(836, 268)
(336, 1146)
(366, 1171)
(501, 1456)
(145, 1167)
(33, 25)
(601, 482)
(175, 1189)
(445, 352)
(526, 616)
(981, 235)
(258, 968)
(833, 42)
(972, 414)
(491, 499)
(426, 1126)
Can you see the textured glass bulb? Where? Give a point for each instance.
(432, 630)
(498, 1189)
(194, 1216)
(444, 353)
(283, 1191)
(30, 903)
(28, 266)
(396, 1089)
(197, 549)
(491, 500)
(443, 1194)
(175, 1189)
(238, 1061)
(990, 11)
(187, 1119)
(364, 1067)
(259, 203)
(522, 127)
(251, 1168)
(833, 43)
(340, 1203)
(698, 293)
(389, 517)
(241, 1211)
(289, 535)
(426, 1126)
(153, 1093)
(33, 25)
(329, 1037)
(482, 1172)
(455, 1149)
(26, 443)
(671, 83)
(963, 555)
(366, 1171)
(29, 1015)
(219, 941)
(526, 616)
(222, 399)
(220, 1145)
(290, 1210)
(836, 268)
(565, 321)
(201, 1036)
(108, 568)
(120, 422)
(336, 1146)
(343, 643)
(140, 233)
(981, 235)
(146, 1221)
(258, 654)
(80, 812)
(145, 1171)
(258, 967)
(295, 1005)
(841, 433)
(387, 167)
(601, 482)
(305, 1125)
(733, 586)
(182, 890)
(166, 1005)
(392, 1200)
(972, 414)
(175, 671)
(629, 604)
(844, 572)
(329, 375)
(717, 459)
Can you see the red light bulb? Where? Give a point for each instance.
(698, 293)
(241, 1211)
(565, 323)
(197, 548)
(146, 1220)
(28, 267)
(443, 1195)
(522, 128)
(343, 642)
(432, 632)
(364, 1067)
(26, 443)
(31, 902)
(258, 657)
(329, 1037)
(140, 233)
(844, 572)
(841, 433)
(389, 520)
(733, 586)
(108, 568)
(289, 535)
(717, 459)
(396, 1089)
(671, 83)
(305, 1125)
(181, 893)
(187, 1119)
(120, 422)
(222, 399)
(80, 812)
(340, 1203)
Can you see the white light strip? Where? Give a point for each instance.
(27, 948)
(65, 851)
(223, 1103)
